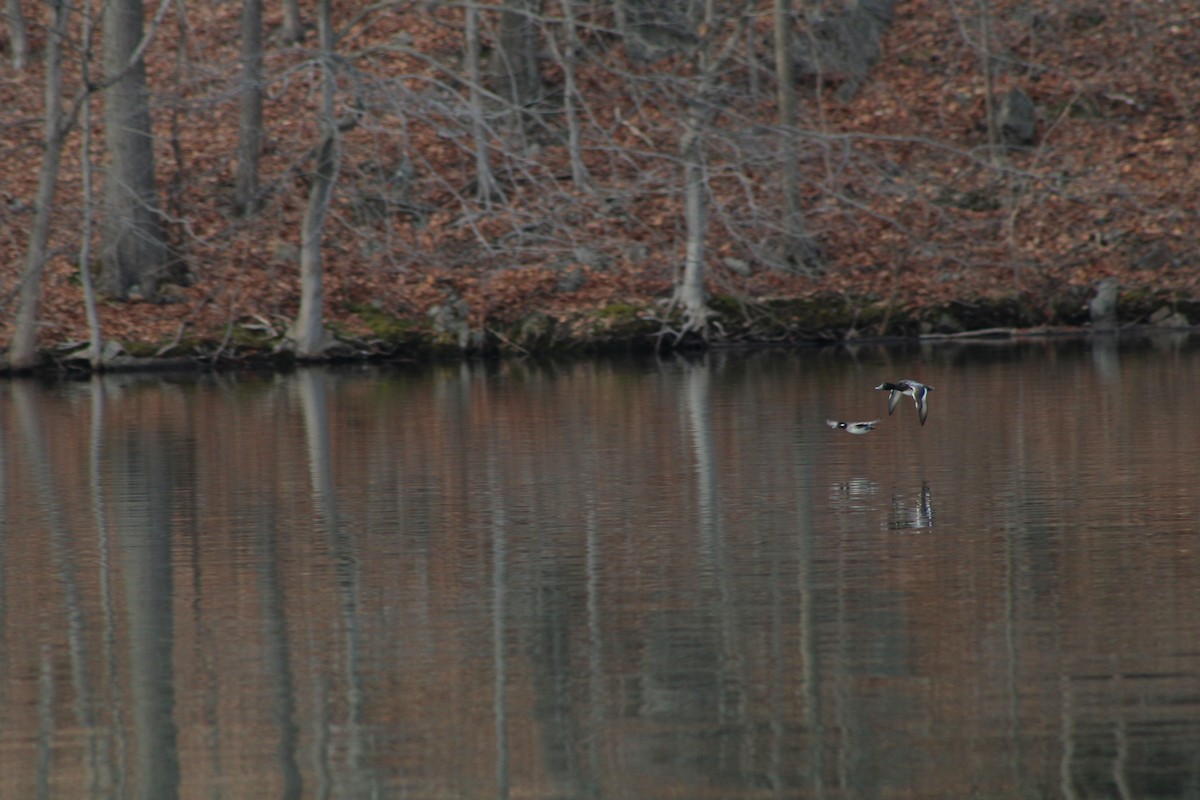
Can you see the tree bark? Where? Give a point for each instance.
(785, 79)
(571, 46)
(514, 65)
(23, 354)
(134, 248)
(485, 183)
(985, 59)
(293, 28)
(96, 340)
(18, 35)
(689, 292)
(96, 346)
(308, 333)
(250, 119)
(796, 248)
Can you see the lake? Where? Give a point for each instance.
(638, 578)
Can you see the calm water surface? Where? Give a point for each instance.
(641, 579)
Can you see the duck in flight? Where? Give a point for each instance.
(919, 392)
(853, 427)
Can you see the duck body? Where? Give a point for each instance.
(858, 428)
(919, 392)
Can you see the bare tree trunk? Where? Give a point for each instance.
(796, 248)
(690, 292)
(571, 46)
(485, 183)
(308, 332)
(18, 35)
(514, 64)
(785, 79)
(143, 523)
(621, 19)
(96, 349)
(293, 28)
(23, 354)
(250, 119)
(985, 57)
(134, 247)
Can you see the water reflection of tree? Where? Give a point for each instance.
(500, 589)
(66, 567)
(150, 460)
(277, 641)
(911, 512)
(312, 387)
(620, 639)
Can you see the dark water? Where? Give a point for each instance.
(609, 580)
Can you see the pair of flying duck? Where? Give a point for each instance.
(919, 392)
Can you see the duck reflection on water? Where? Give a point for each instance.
(912, 513)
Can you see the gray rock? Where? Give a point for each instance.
(1151, 256)
(449, 321)
(1103, 307)
(1016, 119)
(591, 258)
(844, 46)
(737, 265)
(1166, 317)
(572, 280)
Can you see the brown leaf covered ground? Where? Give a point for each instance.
(911, 213)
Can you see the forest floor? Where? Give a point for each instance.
(1110, 190)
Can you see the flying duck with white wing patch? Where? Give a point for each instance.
(853, 427)
(919, 392)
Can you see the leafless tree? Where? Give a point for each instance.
(96, 352)
(59, 120)
(709, 57)
(134, 246)
(18, 35)
(567, 54)
(24, 347)
(515, 64)
(989, 87)
(250, 120)
(797, 246)
(485, 182)
(309, 336)
(293, 28)
(682, 138)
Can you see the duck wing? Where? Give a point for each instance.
(893, 398)
(921, 398)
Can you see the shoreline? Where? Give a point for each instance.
(610, 330)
